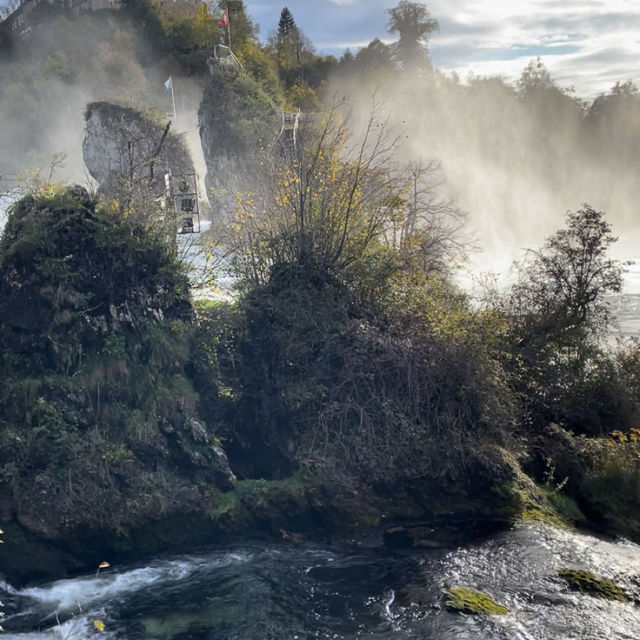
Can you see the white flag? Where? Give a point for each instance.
(169, 83)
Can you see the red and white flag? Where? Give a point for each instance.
(224, 21)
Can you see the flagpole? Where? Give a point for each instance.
(228, 28)
(173, 100)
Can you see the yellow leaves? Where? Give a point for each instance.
(624, 448)
(204, 26)
(99, 625)
(619, 436)
(108, 206)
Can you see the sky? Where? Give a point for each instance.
(587, 44)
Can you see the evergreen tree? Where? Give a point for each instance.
(287, 24)
(288, 41)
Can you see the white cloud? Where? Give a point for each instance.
(586, 43)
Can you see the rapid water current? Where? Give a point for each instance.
(306, 591)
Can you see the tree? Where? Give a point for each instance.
(355, 351)
(242, 28)
(286, 24)
(414, 25)
(340, 204)
(537, 90)
(324, 205)
(623, 100)
(346, 59)
(204, 28)
(535, 77)
(559, 314)
(562, 290)
(289, 41)
(376, 56)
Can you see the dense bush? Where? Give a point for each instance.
(560, 315)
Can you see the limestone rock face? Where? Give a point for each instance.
(122, 145)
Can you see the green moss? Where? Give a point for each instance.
(224, 504)
(592, 584)
(532, 503)
(256, 492)
(465, 600)
(566, 507)
(96, 406)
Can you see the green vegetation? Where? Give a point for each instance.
(561, 314)
(349, 372)
(254, 495)
(350, 351)
(414, 24)
(465, 600)
(598, 476)
(95, 405)
(592, 584)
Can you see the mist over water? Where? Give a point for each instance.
(516, 158)
(47, 81)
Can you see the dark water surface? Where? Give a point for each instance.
(278, 592)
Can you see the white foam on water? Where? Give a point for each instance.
(77, 628)
(79, 593)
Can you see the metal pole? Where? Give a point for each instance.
(173, 100)
(228, 27)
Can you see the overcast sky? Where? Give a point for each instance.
(585, 43)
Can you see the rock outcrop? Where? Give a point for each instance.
(239, 124)
(123, 146)
(99, 427)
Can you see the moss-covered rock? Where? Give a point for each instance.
(466, 600)
(238, 126)
(99, 429)
(593, 584)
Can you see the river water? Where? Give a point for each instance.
(303, 592)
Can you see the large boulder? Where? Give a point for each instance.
(123, 148)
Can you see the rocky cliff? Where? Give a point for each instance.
(239, 124)
(124, 147)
